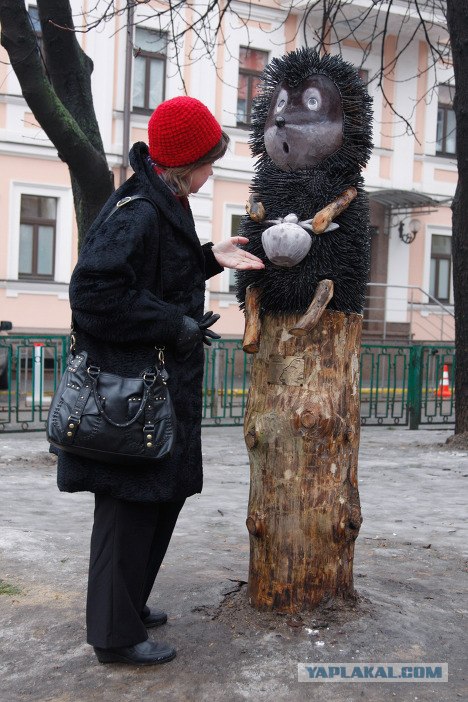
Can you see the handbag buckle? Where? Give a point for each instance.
(160, 350)
(93, 371)
(149, 378)
(124, 201)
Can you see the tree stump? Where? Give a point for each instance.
(302, 433)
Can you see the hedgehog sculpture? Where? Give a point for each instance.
(311, 129)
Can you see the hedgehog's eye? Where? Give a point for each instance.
(280, 105)
(312, 103)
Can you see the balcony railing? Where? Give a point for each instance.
(406, 312)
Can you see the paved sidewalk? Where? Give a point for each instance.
(410, 572)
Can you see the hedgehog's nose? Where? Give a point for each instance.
(280, 121)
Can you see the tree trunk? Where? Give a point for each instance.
(69, 70)
(61, 100)
(302, 433)
(457, 21)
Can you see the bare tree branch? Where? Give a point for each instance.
(61, 128)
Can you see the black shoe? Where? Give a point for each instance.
(155, 617)
(144, 653)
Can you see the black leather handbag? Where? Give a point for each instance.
(110, 418)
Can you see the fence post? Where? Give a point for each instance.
(415, 385)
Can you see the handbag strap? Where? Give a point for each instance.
(141, 409)
(74, 418)
(125, 201)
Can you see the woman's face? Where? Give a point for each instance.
(199, 177)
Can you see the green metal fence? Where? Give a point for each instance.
(400, 385)
(406, 385)
(30, 368)
(226, 382)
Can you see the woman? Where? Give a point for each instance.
(139, 283)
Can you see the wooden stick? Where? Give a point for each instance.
(310, 319)
(251, 342)
(255, 210)
(324, 217)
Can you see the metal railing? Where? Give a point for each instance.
(417, 314)
(409, 385)
(30, 368)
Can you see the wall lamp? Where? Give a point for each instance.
(413, 228)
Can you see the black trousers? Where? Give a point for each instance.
(128, 543)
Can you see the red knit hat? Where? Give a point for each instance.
(180, 131)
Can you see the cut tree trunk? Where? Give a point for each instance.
(302, 434)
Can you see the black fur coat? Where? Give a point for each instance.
(115, 296)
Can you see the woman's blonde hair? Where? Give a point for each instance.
(179, 177)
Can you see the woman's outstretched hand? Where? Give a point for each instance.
(229, 255)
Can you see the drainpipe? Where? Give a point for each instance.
(127, 94)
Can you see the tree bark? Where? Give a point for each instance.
(457, 21)
(302, 433)
(61, 100)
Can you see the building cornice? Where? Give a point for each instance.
(257, 13)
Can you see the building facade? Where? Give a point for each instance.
(410, 179)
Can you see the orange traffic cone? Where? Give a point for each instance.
(444, 386)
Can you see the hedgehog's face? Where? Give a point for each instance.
(304, 124)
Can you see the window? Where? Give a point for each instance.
(441, 267)
(149, 75)
(446, 127)
(33, 13)
(235, 223)
(363, 74)
(251, 64)
(37, 237)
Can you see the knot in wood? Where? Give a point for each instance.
(254, 525)
(353, 524)
(308, 419)
(251, 439)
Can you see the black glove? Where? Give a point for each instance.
(192, 332)
(206, 321)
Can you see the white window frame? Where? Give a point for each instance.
(247, 125)
(441, 231)
(143, 110)
(444, 76)
(229, 210)
(173, 87)
(253, 37)
(63, 237)
(372, 65)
